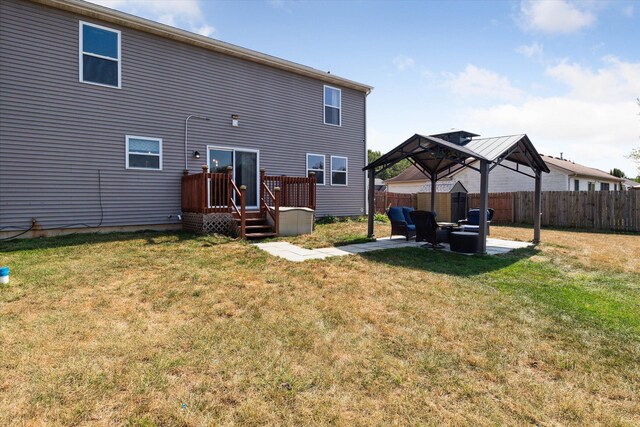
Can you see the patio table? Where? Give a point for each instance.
(464, 241)
(448, 227)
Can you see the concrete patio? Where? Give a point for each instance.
(297, 254)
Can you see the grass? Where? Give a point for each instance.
(163, 329)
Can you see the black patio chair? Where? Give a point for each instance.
(427, 229)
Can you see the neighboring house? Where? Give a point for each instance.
(630, 184)
(93, 119)
(565, 176)
(411, 181)
(380, 185)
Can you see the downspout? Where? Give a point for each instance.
(186, 130)
(366, 154)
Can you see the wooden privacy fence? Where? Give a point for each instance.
(600, 210)
(384, 200)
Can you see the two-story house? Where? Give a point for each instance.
(102, 112)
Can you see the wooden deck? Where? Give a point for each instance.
(208, 193)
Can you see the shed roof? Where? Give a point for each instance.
(444, 187)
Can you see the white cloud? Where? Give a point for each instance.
(596, 123)
(403, 62)
(617, 81)
(205, 30)
(185, 14)
(555, 16)
(480, 82)
(535, 49)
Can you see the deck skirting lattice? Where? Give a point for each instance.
(214, 223)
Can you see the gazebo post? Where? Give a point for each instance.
(537, 208)
(372, 203)
(484, 204)
(433, 192)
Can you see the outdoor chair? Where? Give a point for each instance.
(472, 222)
(427, 229)
(401, 223)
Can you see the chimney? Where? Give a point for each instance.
(561, 156)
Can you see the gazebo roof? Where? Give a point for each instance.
(438, 157)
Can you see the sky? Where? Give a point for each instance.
(566, 73)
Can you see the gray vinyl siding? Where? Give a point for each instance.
(57, 134)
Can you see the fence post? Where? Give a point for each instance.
(262, 208)
(243, 209)
(312, 186)
(203, 190)
(276, 219)
(229, 188)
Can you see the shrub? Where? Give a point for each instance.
(327, 219)
(381, 218)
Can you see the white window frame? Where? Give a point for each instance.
(233, 151)
(324, 105)
(346, 180)
(81, 53)
(324, 171)
(147, 138)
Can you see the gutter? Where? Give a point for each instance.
(106, 14)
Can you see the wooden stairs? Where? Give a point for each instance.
(256, 226)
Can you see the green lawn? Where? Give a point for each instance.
(175, 329)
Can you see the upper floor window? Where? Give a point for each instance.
(604, 186)
(591, 186)
(144, 153)
(576, 185)
(315, 163)
(99, 55)
(332, 106)
(339, 170)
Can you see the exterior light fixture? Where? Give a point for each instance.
(235, 120)
(186, 130)
(196, 154)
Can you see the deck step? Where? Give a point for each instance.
(259, 235)
(258, 227)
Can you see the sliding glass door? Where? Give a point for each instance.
(245, 165)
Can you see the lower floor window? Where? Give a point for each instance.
(604, 186)
(144, 153)
(315, 164)
(339, 171)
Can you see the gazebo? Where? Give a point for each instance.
(441, 154)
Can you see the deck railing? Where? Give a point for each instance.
(295, 191)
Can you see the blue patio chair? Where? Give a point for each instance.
(472, 222)
(401, 222)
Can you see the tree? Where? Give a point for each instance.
(635, 153)
(617, 173)
(393, 170)
(635, 156)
